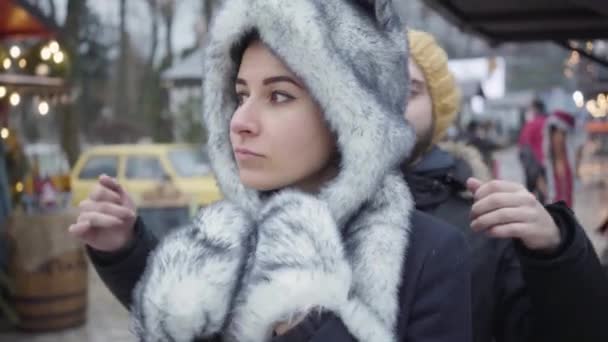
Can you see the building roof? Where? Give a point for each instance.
(527, 20)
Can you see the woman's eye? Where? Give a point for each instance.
(241, 97)
(278, 97)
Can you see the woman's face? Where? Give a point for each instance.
(278, 133)
(419, 110)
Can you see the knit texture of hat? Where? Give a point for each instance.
(444, 92)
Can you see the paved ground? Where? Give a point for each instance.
(108, 321)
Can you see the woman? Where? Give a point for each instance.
(316, 239)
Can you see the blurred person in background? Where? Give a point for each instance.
(560, 158)
(536, 278)
(531, 153)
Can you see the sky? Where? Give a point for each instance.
(138, 22)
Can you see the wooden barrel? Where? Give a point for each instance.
(53, 294)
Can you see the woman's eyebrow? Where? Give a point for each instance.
(241, 81)
(277, 79)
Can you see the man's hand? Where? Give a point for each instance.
(505, 209)
(107, 218)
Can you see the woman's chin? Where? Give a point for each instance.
(260, 183)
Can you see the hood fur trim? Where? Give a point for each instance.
(355, 66)
(470, 155)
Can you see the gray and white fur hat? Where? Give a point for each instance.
(352, 57)
(250, 261)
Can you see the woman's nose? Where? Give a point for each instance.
(244, 121)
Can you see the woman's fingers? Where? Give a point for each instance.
(107, 208)
(111, 184)
(102, 193)
(80, 229)
(100, 220)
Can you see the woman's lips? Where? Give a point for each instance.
(244, 154)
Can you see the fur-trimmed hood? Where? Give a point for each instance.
(251, 261)
(352, 57)
(469, 155)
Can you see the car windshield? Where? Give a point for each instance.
(189, 163)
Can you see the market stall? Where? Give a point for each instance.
(46, 284)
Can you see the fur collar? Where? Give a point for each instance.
(228, 275)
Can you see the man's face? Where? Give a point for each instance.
(419, 110)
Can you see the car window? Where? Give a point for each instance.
(98, 165)
(189, 163)
(144, 168)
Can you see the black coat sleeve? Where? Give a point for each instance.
(440, 312)
(568, 291)
(121, 271)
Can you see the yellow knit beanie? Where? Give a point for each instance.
(445, 94)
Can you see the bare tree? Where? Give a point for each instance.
(121, 100)
(69, 119)
(148, 77)
(167, 11)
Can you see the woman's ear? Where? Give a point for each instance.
(385, 12)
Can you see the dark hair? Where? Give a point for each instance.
(238, 49)
(539, 106)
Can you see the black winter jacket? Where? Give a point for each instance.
(518, 295)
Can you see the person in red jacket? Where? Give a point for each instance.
(531, 147)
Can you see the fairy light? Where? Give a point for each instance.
(45, 53)
(6, 63)
(2, 92)
(54, 46)
(15, 99)
(43, 108)
(579, 98)
(15, 51)
(22, 63)
(58, 57)
(5, 133)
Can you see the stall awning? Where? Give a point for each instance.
(528, 20)
(19, 19)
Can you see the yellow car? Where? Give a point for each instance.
(140, 168)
